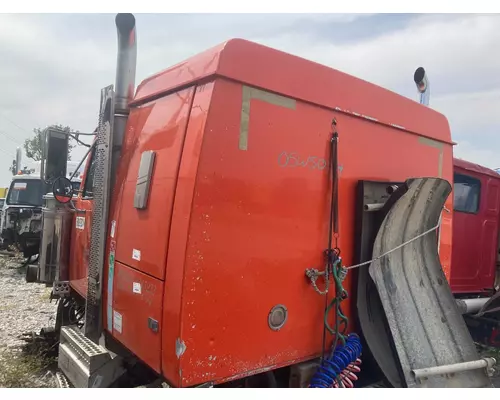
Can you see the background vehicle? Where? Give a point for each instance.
(220, 202)
(475, 229)
(21, 222)
(22, 214)
(2, 203)
(474, 275)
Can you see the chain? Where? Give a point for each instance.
(313, 274)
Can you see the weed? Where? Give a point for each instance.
(18, 370)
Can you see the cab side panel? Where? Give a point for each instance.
(142, 237)
(175, 300)
(259, 219)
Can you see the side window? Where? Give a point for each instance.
(466, 193)
(88, 186)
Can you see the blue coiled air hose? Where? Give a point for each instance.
(339, 360)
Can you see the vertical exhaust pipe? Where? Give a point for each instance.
(126, 62)
(19, 158)
(125, 82)
(423, 85)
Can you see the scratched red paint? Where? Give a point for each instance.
(234, 231)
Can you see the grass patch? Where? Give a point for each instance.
(23, 370)
(27, 366)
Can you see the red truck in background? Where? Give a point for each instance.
(476, 219)
(474, 276)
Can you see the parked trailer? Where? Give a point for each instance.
(224, 214)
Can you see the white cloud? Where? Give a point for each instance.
(475, 115)
(58, 63)
(483, 156)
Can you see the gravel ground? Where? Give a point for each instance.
(24, 308)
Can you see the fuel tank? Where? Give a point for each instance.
(56, 239)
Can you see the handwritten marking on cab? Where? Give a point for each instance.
(293, 160)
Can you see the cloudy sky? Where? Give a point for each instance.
(54, 65)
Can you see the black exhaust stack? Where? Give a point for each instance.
(125, 81)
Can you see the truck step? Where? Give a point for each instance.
(62, 381)
(85, 363)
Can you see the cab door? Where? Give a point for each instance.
(81, 232)
(475, 232)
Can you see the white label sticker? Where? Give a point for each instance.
(80, 222)
(117, 321)
(113, 226)
(136, 288)
(136, 254)
(20, 185)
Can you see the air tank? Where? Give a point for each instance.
(55, 245)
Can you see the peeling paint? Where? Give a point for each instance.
(180, 347)
(369, 118)
(398, 126)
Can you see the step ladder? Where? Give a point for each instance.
(85, 363)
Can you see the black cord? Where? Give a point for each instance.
(332, 254)
(78, 140)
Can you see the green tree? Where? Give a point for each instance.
(33, 146)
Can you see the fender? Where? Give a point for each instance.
(426, 326)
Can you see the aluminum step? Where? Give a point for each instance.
(62, 382)
(85, 363)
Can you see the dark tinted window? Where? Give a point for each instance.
(75, 185)
(88, 187)
(466, 193)
(25, 192)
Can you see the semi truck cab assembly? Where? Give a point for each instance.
(21, 222)
(250, 218)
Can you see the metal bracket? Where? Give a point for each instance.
(60, 289)
(153, 324)
(424, 373)
(101, 190)
(205, 385)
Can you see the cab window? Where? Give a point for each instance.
(467, 191)
(88, 186)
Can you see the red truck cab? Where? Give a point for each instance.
(476, 214)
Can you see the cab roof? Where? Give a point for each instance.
(479, 169)
(276, 71)
(27, 176)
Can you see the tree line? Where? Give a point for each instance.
(33, 146)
